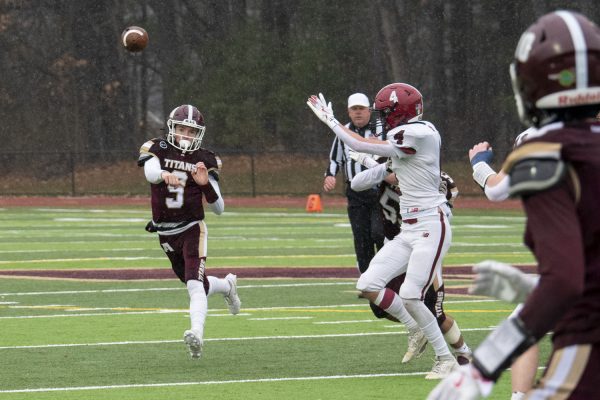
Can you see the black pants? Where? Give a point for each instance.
(364, 212)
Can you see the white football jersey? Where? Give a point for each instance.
(419, 173)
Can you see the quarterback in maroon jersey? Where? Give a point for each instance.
(181, 174)
(556, 172)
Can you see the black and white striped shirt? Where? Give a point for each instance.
(339, 158)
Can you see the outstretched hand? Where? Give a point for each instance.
(502, 281)
(322, 110)
(464, 383)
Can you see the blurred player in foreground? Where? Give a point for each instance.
(556, 80)
(524, 368)
(181, 173)
(380, 173)
(414, 148)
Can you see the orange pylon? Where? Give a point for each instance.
(313, 203)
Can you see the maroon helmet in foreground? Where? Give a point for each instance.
(556, 67)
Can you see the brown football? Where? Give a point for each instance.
(134, 38)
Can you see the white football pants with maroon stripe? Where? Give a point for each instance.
(418, 250)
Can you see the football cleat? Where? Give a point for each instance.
(194, 343)
(232, 299)
(442, 368)
(417, 342)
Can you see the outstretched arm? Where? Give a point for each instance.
(324, 112)
(368, 178)
(502, 281)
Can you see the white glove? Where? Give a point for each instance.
(363, 158)
(323, 110)
(464, 383)
(502, 281)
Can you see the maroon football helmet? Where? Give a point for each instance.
(399, 103)
(556, 66)
(186, 115)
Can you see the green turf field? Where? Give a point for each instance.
(294, 339)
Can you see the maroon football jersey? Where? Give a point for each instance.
(175, 206)
(563, 232)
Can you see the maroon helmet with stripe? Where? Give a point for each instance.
(186, 115)
(556, 66)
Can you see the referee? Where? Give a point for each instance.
(364, 210)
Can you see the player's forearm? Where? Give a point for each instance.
(368, 178)
(359, 143)
(153, 171)
(213, 196)
(496, 187)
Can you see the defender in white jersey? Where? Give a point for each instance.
(414, 148)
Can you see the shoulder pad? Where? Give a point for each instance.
(145, 148)
(145, 152)
(213, 162)
(532, 175)
(534, 167)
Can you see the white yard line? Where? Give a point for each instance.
(357, 321)
(61, 260)
(170, 384)
(233, 339)
(275, 285)
(278, 318)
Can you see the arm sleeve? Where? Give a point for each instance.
(499, 191)
(381, 148)
(217, 206)
(368, 178)
(153, 171)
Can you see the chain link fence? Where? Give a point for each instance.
(249, 174)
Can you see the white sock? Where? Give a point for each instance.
(217, 285)
(198, 306)
(463, 349)
(428, 324)
(397, 309)
(517, 396)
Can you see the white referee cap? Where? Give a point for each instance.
(358, 99)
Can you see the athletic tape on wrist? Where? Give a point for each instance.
(485, 156)
(481, 172)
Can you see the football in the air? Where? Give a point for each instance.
(134, 38)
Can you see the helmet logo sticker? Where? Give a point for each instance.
(565, 77)
(393, 97)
